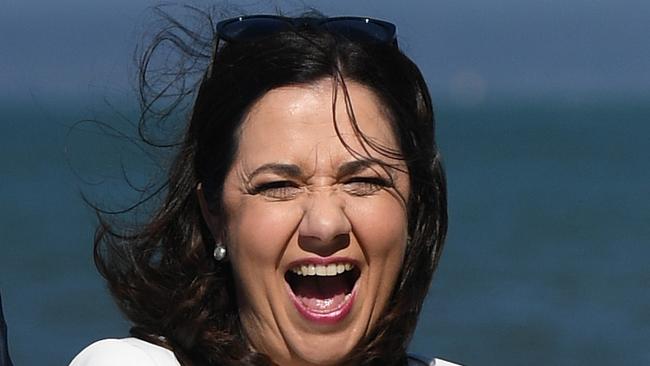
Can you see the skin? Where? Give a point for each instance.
(315, 208)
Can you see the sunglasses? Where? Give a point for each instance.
(255, 27)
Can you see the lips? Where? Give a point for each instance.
(323, 290)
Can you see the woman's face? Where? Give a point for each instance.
(316, 234)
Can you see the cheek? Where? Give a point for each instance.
(258, 233)
(380, 226)
(382, 230)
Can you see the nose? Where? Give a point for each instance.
(325, 227)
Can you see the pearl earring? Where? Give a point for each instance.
(219, 252)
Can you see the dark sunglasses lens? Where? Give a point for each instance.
(250, 29)
(367, 30)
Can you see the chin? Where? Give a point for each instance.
(321, 350)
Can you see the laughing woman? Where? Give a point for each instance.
(305, 209)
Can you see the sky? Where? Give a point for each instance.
(466, 49)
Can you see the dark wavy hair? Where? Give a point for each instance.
(161, 272)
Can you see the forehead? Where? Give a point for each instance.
(297, 121)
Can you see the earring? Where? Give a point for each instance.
(219, 252)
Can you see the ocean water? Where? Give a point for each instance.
(546, 261)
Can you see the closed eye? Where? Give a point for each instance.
(363, 186)
(280, 190)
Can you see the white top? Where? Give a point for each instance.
(124, 352)
(136, 352)
(439, 362)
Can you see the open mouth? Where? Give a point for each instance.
(323, 292)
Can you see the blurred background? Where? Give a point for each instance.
(543, 117)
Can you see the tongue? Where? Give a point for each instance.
(321, 294)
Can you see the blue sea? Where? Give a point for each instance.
(546, 261)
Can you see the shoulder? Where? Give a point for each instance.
(124, 352)
(416, 360)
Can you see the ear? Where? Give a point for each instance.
(210, 219)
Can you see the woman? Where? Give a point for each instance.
(305, 210)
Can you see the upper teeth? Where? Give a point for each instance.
(321, 270)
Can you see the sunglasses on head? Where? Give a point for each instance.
(254, 27)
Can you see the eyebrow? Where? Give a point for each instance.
(287, 170)
(294, 171)
(354, 167)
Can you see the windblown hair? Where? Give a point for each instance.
(162, 273)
